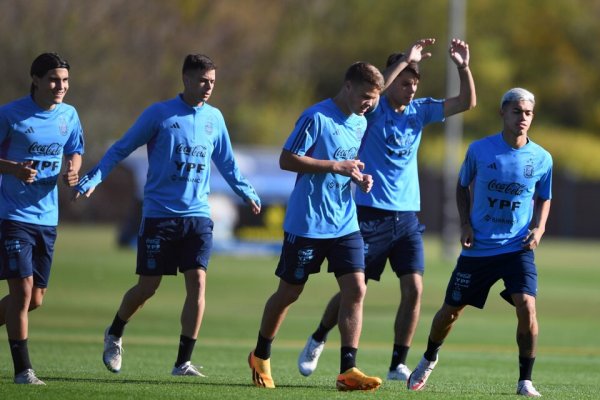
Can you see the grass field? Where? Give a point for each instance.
(479, 359)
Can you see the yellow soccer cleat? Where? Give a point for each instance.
(261, 371)
(353, 379)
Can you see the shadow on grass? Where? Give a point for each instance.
(202, 382)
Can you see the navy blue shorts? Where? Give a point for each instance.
(301, 256)
(393, 235)
(168, 244)
(26, 250)
(473, 277)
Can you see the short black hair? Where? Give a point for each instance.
(197, 61)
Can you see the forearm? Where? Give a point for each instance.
(463, 203)
(541, 212)
(304, 164)
(7, 166)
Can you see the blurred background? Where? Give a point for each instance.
(276, 57)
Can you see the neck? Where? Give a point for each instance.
(191, 101)
(340, 102)
(515, 141)
(397, 107)
(48, 106)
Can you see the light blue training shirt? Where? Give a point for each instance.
(505, 183)
(30, 133)
(321, 205)
(181, 141)
(389, 151)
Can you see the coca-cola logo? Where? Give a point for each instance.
(52, 149)
(513, 188)
(345, 154)
(194, 151)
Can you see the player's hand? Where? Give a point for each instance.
(24, 172)
(366, 183)
(459, 53)
(70, 176)
(77, 194)
(351, 168)
(254, 207)
(533, 239)
(466, 236)
(415, 53)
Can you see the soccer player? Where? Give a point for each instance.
(182, 135)
(509, 179)
(320, 221)
(36, 133)
(387, 214)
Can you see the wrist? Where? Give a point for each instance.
(462, 66)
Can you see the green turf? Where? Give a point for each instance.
(478, 361)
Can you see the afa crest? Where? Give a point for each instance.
(62, 126)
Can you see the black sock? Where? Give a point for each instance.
(186, 347)
(117, 327)
(20, 355)
(320, 335)
(347, 359)
(398, 356)
(263, 347)
(525, 368)
(432, 350)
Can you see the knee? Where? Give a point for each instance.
(355, 293)
(35, 303)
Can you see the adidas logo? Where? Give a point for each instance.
(175, 126)
(29, 130)
(492, 166)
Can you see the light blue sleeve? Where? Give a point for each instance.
(544, 185)
(139, 134)
(468, 168)
(225, 162)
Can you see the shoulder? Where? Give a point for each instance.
(426, 102)
(540, 150)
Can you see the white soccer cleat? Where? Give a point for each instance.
(401, 373)
(525, 388)
(309, 357)
(418, 378)
(187, 369)
(113, 351)
(28, 377)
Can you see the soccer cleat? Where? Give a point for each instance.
(28, 377)
(187, 369)
(525, 388)
(400, 373)
(353, 379)
(261, 371)
(112, 352)
(418, 378)
(309, 357)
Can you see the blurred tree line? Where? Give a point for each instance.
(276, 57)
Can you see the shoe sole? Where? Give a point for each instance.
(413, 388)
(341, 386)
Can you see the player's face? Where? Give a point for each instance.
(360, 97)
(198, 86)
(517, 116)
(403, 89)
(51, 89)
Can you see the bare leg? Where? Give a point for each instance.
(17, 307)
(37, 296)
(527, 325)
(136, 297)
(407, 317)
(193, 307)
(352, 294)
(277, 307)
(443, 322)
